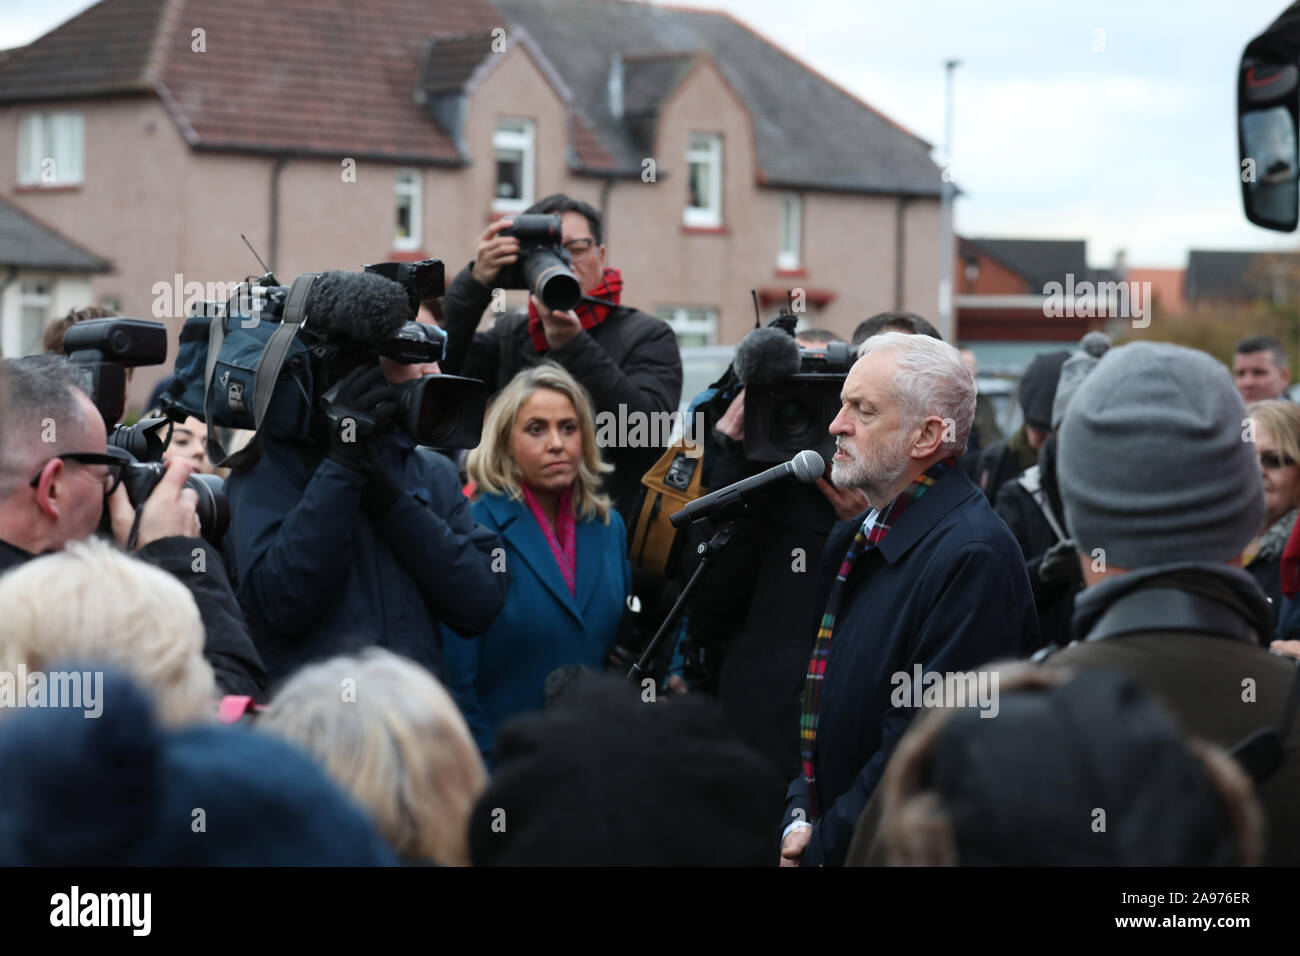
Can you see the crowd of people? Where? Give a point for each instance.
(1074, 644)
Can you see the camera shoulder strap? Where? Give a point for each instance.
(267, 374)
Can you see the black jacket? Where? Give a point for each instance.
(1190, 634)
(1053, 600)
(631, 360)
(751, 613)
(319, 576)
(227, 645)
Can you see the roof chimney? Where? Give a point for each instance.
(615, 86)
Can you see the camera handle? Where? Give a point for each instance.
(707, 552)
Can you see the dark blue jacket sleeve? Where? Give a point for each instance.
(978, 614)
(460, 671)
(291, 544)
(449, 558)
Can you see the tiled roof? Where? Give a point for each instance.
(1237, 276)
(1039, 261)
(310, 76)
(450, 61)
(105, 49)
(29, 244)
(341, 77)
(808, 131)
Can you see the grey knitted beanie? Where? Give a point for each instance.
(1153, 464)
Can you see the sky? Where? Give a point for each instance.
(1112, 121)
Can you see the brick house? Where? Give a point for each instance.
(1000, 303)
(155, 132)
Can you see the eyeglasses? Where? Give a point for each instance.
(1273, 461)
(580, 248)
(111, 479)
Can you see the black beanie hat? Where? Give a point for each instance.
(1038, 388)
(607, 779)
(1089, 773)
(119, 790)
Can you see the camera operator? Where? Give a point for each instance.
(55, 479)
(358, 536)
(747, 623)
(620, 355)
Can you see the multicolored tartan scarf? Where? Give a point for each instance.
(610, 289)
(869, 536)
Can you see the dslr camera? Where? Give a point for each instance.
(544, 264)
(102, 350)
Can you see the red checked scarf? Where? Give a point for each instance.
(610, 288)
(864, 540)
(563, 538)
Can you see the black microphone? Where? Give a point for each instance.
(805, 467)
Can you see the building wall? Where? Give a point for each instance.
(157, 208)
(993, 279)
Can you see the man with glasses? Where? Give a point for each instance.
(627, 360)
(56, 479)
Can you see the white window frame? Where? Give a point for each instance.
(58, 136)
(710, 154)
(14, 347)
(681, 321)
(408, 186)
(789, 258)
(525, 141)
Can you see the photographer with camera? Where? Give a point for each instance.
(57, 478)
(620, 355)
(354, 535)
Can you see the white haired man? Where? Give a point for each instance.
(928, 581)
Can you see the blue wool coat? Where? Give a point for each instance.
(542, 626)
(947, 590)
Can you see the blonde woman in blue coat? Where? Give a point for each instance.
(537, 474)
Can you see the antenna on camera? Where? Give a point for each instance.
(254, 252)
(789, 301)
(758, 320)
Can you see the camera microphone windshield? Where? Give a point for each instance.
(356, 308)
(766, 356)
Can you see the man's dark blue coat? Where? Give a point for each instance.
(946, 589)
(318, 576)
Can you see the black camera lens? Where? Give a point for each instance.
(442, 411)
(213, 508)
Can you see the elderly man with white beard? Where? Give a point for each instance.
(928, 577)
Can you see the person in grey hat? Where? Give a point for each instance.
(1161, 492)
(1030, 504)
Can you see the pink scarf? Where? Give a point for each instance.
(563, 538)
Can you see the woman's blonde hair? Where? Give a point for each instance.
(492, 464)
(1282, 419)
(92, 603)
(388, 733)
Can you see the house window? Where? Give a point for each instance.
(693, 326)
(51, 149)
(703, 180)
(409, 231)
(791, 224)
(34, 301)
(513, 145)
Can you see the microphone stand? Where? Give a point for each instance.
(707, 552)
